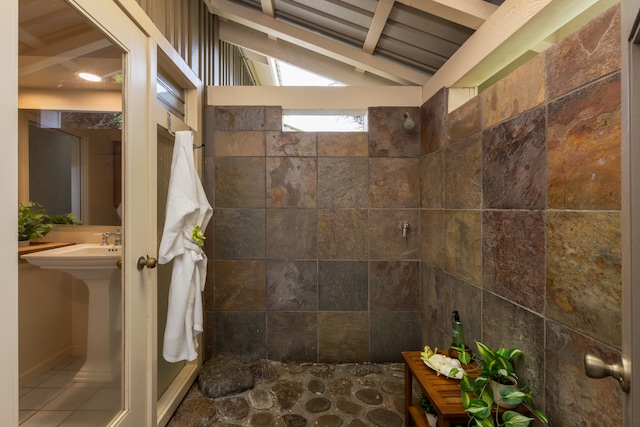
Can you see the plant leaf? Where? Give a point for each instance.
(479, 409)
(485, 352)
(467, 384)
(464, 357)
(485, 422)
(514, 419)
(512, 395)
(538, 413)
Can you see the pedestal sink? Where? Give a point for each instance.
(96, 266)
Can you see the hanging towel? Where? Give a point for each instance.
(188, 211)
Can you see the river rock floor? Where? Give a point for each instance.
(304, 394)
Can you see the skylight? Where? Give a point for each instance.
(290, 75)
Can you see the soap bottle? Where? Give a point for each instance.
(457, 331)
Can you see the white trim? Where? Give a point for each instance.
(313, 98)
(9, 214)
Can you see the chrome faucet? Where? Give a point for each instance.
(118, 238)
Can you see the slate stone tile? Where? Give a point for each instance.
(240, 285)
(584, 282)
(239, 143)
(343, 285)
(584, 56)
(387, 137)
(273, 118)
(291, 182)
(343, 234)
(292, 233)
(394, 183)
(432, 183)
(394, 285)
(584, 139)
(513, 256)
(392, 333)
(514, 161)
(454, 294)
(292, 285)
(300, 144)
(292, 336)
(463, 251)
(505, 324)
(433, 129)
(343, 336)
(236, 118)
(343, 182)
(241, 334)
(464, 121)
(240, 233)
(565, 374)
(431, 329)
(463, 174)
(385, 234)
(432, 237)
(240, 182)
(521, 90)
(343, 144)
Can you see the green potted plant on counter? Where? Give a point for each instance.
(32, 223)
(496, 386)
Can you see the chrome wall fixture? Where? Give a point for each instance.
(408, 123)
(404, 226)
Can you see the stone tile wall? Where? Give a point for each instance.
(307, 259)
(521, 220)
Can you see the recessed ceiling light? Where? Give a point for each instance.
(89, 77)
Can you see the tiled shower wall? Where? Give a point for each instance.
(521, 220)
(307, 259)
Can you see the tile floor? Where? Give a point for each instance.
(54, 400)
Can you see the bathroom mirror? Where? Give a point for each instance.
(70, 162)
(69, 100)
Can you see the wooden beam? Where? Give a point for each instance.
(316, 43)
(255, 41)
(509, 32)
(268, 8)
(383, 9)
(468, 13)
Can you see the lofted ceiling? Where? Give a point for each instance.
(56, 43)
(396, 42)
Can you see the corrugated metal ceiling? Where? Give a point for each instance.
(393, 31)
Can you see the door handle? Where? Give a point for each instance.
(595, 367)
(147, 262)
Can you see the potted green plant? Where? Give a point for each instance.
(32, 222)
(496, 385)
(429, 410)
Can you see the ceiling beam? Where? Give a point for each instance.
(383, 10)
(268, 8)
(255, 41)
(316, 43)
(63, 57)
(468, 13)
(513, 29)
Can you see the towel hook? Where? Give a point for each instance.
(172, 133)
(169, 125)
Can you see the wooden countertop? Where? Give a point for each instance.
(41, 246)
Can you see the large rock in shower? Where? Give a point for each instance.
(222, 376)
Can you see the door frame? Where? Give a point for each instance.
(630, 129)
(9, 215)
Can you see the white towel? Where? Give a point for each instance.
(187, 207)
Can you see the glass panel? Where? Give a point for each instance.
(71, 322)
(167, 371)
